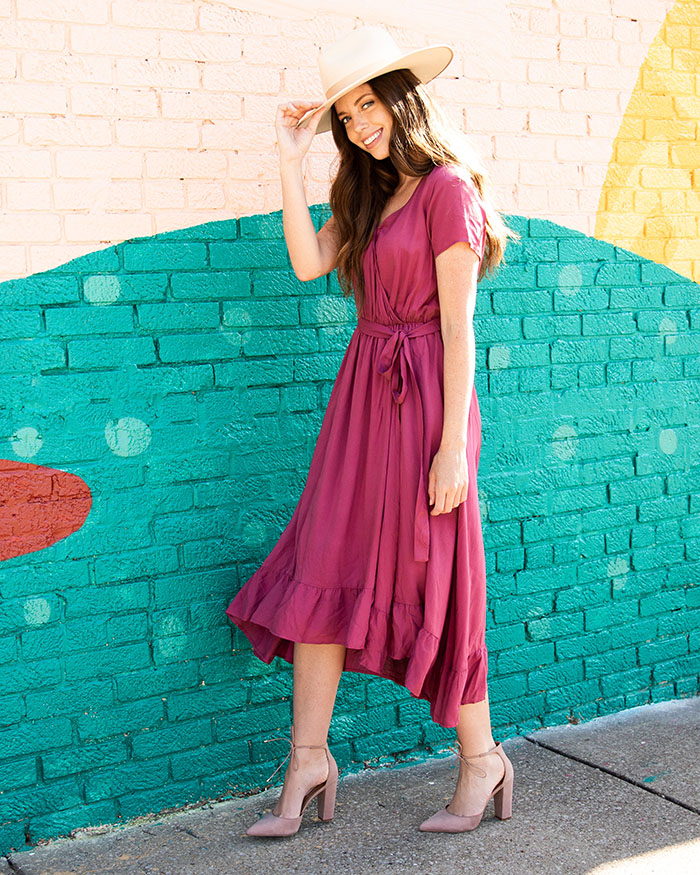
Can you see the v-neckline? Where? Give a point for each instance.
(398, 210)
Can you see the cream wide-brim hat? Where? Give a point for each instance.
(361, 55)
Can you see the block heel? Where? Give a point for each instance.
(502, 794)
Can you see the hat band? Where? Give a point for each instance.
(362, 73)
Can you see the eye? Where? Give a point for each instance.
(346, 117)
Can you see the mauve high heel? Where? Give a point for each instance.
(502, 793)
(274, 824)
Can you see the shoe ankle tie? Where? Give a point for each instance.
(480, 772)
(292, 748)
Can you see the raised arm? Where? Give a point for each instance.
(312, 253)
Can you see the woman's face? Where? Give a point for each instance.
(365, 118)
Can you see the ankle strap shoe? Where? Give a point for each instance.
(502, 793)
(275, 825)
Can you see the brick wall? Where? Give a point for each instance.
(162, 391)
(136, 117)
(188, 399)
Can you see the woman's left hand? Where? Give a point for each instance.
(448, 480)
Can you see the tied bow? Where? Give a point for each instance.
(395, 364)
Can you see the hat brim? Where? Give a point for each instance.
(426, 63)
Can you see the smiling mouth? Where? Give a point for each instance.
(370, 141)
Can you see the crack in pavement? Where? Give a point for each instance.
(615, 774)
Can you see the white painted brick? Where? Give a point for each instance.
(113, 227)
(225, 19)
(559, 75)
(19, 225)
(241, 78)
(96, 11)
(29, 196)
(205, 195)
(544, 21)
(44, 35)
(98, 195)
(156, 72)
(484, 120)
(20, 163)
(260, 107)
(100, 163)
(542, 121)
(588, 51)
(200, 105)
(161, 14)
(9, 130)
(172, 220)
(9, 65)
(13, 262)
(66, 67)
(572, 24)
(66, 130)
(164, 194)
(529, 95)
(28, 97)
(157, 133)
(552, 175)
(625, 31)
(113, 41)
(524, 147)
(188, 165)
(273, 52)
(581, 149)
(542, 48)
(574, 100)
(222, 48)
(92, 100)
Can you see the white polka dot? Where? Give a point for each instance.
(254, 533)
(127, 436)
(102, 288)
(36, 611)
(668, 440)
(483, 505)
(617, 571)
(668, 328)
(570, 279)
(26, 442)
(172, 625)
(499, 357)
(565, 442)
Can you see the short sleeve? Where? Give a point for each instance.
(454, 213)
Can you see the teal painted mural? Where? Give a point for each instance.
(159, 405)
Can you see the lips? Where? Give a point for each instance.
(374, 139)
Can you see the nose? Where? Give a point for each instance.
(360, 125)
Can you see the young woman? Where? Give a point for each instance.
(381, 568)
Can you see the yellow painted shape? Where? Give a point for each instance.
(650, 200)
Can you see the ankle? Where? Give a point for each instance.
(306, 756)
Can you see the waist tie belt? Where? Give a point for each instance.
(395, 363)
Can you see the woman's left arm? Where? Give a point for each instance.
(456, 270)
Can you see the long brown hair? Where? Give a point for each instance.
(421, 138)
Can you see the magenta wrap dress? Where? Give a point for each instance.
(362, 562)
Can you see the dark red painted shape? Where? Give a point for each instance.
(38, 506)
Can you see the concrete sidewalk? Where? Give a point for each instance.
(619, 794)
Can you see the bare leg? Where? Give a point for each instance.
(474, 733)
(317, 670)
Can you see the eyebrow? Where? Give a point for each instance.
(366, 94)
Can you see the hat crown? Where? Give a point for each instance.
(367, 48)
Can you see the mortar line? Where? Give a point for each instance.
(633, 781)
